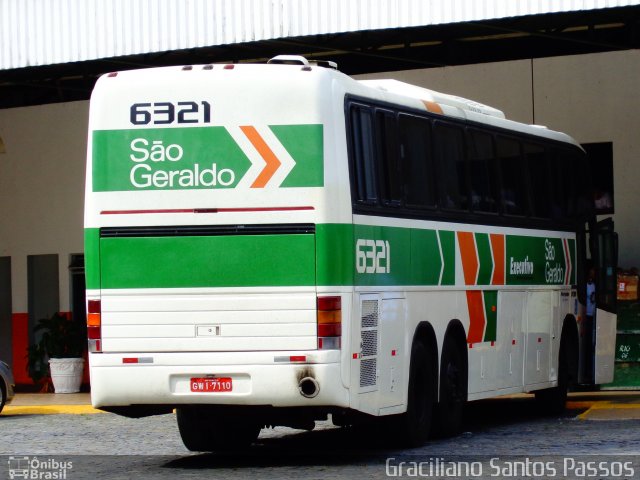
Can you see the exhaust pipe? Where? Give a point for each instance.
(308, 387)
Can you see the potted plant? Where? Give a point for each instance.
(60, 352)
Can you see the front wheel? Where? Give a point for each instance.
(204, 429)
(552, 401)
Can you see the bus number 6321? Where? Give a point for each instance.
(165, 113)
(373, 256)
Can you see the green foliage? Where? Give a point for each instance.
(61, 338)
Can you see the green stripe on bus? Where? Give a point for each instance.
(484, 259)
(491, 314)
(414, 258)
(338, 255)
(426, 263)
(536, 260)
(197, 158)
(220, 261)
(305, 145)
(335, 254)
(572, 254)
(92, 258)
(448, 245)
(166, 159)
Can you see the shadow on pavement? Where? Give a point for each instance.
(346, 446)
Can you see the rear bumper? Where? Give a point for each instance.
(259, 378)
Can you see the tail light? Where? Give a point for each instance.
(329, 323)
(94, 325)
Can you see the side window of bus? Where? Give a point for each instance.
(417, 161)
(363, 152)
(513, 172)
(389, 153)
(450, 163)
(482, 173)
(537, 159)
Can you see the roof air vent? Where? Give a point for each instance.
(300, 60)
(289, 60)
(325, 64)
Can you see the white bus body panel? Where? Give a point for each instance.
(166, 320)
(164, 379)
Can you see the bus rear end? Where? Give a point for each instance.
(208, 210)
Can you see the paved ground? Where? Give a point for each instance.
(603, 405)
(603, 424)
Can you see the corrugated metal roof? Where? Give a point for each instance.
(43, 32)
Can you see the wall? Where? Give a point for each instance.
(41, 198)
(591, 97)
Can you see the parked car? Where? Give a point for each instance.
(6, 384)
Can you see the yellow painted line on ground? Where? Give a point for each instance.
(617, 406)
(579, 404)
(50, 410)
(606, 405)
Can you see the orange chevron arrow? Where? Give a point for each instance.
(469, 256)
(497, 250)
(272, 162)
(477, 318)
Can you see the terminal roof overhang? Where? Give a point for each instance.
(357, 52)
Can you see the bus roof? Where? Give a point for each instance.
(435, 102)
(383, 90)
(457, 107)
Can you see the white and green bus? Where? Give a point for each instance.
(276, 244)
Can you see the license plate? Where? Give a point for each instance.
(217, 384)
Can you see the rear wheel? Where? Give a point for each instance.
(204, 429)
(413, 426)
(453, 389)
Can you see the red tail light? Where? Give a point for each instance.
(94, 325)
(329, 322)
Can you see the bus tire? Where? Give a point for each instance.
(453, 389)
(199, 427)
(553, 401)
(415, 424)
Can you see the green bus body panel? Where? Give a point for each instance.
(195, 158)
(448, 245)
(485, 260)
(425, 261)
(538, 261)
(208, 261)
(305, 145)
(491, 314)
(335, 254)
(204, 147)
(415, 257)
(92, 258)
